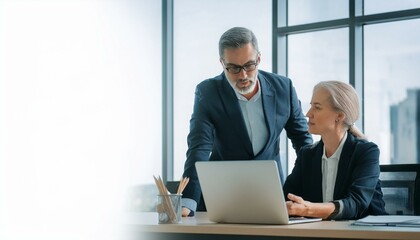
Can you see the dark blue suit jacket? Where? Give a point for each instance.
(357, 183)
(218, 130)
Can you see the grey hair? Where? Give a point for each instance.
(343, 98)
(237, 37)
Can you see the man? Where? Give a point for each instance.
(240, 114)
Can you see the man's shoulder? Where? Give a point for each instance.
(213, 81)
(273, 76)
(275, 80)
(210, 87)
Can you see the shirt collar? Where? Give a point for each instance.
(254, 98)
(337, 152)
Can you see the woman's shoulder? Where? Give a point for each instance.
(365, 148)
(274, 78)
(311, 148)
(362, 143)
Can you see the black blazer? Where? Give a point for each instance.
(357, 183)
(218, 130)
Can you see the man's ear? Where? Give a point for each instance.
(221, 62)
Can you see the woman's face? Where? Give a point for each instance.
(321, 116)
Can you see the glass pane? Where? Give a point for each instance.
(315, 57)
(80, 107)
(398, 188)
(197, 54)
(382, 6)
(392, 89)
(309, 11)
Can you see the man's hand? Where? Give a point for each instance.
(185, 212)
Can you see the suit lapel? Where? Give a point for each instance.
(269, 106)
(343, 163)
(317, 179)
(234, 113)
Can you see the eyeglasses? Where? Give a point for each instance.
(235, 69)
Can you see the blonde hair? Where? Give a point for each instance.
(344, 98)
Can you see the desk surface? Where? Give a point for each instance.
(147, 223)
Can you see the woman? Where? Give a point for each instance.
(337, 177)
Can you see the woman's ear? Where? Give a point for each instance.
(341, 116)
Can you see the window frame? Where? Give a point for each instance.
(355, 23)
(280, 32)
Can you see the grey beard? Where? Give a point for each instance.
(243, 91)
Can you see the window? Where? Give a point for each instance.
(377, 54)
(309, 11)
(381, 6)
(392, 89)
(315, 57)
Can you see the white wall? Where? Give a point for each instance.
(79, 111)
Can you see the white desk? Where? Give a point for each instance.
(145, 226)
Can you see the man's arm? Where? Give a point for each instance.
(200, 142)
(297, 125)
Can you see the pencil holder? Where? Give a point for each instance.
(169, 208)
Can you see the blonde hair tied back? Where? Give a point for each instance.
(344, 98)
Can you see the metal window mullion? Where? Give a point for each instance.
(274, 44)
(281, 39)
(280, 59)
(388, 16)
(312, 27)
(167, 91)
(356, 54)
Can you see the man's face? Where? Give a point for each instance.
(244, 59)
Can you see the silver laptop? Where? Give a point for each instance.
(247, 191)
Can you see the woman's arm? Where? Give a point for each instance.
(297, 206)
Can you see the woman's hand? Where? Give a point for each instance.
(297, 206)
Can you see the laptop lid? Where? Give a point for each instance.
(247, 191)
